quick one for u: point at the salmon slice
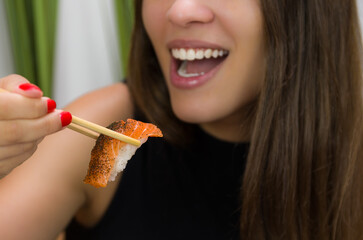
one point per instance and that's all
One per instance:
(109, 156)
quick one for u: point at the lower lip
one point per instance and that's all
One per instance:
(190, 82)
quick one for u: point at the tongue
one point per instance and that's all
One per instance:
(202, 66)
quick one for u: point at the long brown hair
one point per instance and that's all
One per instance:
(303, 175)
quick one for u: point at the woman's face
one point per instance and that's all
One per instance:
(211, 53)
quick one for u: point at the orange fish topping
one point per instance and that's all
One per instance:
(104, 153)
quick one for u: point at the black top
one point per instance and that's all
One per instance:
(168, 192)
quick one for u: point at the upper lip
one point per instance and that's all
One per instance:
(182, 43)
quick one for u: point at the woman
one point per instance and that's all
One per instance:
(284, 86)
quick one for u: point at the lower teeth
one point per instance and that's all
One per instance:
(182, 71)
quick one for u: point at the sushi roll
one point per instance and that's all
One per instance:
(109, 156)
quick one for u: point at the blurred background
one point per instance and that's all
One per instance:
(68, 47)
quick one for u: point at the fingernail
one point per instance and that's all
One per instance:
(66, 118)
(51, 105)
(28, 87)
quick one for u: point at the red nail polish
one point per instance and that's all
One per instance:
(51, 105)
(28, 87)
(66, 118)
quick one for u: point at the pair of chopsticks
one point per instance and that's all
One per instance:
(93, 130)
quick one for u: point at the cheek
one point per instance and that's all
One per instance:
(154, 19)
(153, 15)
(250, 62)
(147, 14)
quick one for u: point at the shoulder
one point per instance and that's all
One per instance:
(104, 105)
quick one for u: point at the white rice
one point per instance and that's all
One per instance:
(124, 155)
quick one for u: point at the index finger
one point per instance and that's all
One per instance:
(18, 84)
(15, 106)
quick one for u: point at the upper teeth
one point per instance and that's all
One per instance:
(192, 54)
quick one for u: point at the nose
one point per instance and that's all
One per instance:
(186, 12)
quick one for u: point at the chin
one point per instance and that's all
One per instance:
(192, 119)
(192, 115)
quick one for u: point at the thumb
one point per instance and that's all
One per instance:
(20, 85)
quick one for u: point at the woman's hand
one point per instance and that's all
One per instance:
(26, 117)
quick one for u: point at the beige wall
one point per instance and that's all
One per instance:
(6, 59)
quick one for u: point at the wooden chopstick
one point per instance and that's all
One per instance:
(105, 131)
(93, 130)
(83, 131)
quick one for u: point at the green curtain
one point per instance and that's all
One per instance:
(124, 14)
(32, 26)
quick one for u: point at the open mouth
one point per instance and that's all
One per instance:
(197, 62)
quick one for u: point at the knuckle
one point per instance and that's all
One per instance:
(11, 79)
(12, 132)
(38, 108)
(27, 154)
(11, 151)
(17, 78)
(29, 147)
(14, 75)
(33, 150)
(4, 170)
(42, 106)
(4, 107)
(49, 125)
(6, 166)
